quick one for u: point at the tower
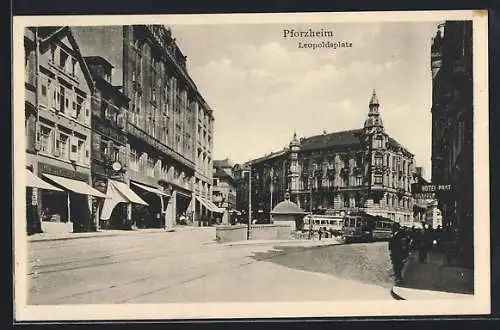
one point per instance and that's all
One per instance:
(293, 173)
(375, 146)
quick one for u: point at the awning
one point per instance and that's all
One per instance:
(209, 205)
(214, 207)
(127, 192)
(118, 192)
(34, 181)
(150, 189)
(204, 203)
(76, 186)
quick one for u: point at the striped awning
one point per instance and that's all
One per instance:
(34, 181)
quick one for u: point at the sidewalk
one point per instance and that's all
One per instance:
(42, 237)
(435, 279)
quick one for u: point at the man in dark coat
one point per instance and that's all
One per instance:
(398, 247)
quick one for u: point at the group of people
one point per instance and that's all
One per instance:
(405, 240)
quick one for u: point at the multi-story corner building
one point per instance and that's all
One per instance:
(360, 169)
(58, 94)
(224, 188)
(169, 125)
(452, 126)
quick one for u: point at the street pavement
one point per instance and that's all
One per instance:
(189, 266)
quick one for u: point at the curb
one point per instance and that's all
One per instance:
(65, 238)
(277, 242)
(395, 295)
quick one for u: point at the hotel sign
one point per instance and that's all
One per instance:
(429, 189)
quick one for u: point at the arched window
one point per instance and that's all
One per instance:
(378, 142)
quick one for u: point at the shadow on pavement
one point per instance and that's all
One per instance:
(365, 263)
(436, 276)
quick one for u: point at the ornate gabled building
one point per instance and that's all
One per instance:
(340, 172)
(59, 87)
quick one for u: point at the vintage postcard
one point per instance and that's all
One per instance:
(251, 166)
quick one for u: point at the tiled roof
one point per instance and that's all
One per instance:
(336, 139)
(270, 156)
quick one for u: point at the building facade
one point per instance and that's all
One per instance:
(58, 120)
(452, 127)
(169, 126)
(109, 139)
(360, 169)
(224, 188)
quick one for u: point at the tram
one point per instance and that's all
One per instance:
(382, 229)
(357, 227)
(364, 227)
(328, 223)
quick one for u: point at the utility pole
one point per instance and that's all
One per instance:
(249, 202)
(271, 189)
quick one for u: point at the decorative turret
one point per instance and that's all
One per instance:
(294, 144)
(293, 172)
(373, 120)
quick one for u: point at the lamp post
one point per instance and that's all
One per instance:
(310, 205)
(271, 174)
(249, 202)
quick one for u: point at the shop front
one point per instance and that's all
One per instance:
(72, 205)
(153, 214)
(33, 185)
(116, 211)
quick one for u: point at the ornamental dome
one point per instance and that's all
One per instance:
(287, 207)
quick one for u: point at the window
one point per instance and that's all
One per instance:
(104, 148)
(134, 160)
(378, 143)
(346, 201)
(150, 166)
(378, 179)
(379, 160)
(64, 146)
(63, 57)
(73, 66)
(359, 181)
(81, 151)
(45, 139)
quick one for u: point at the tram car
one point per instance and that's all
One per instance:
(382, 228)
(332, 224)
(357, 227)
(364, 227)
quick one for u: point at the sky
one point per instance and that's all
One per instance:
(263, 87)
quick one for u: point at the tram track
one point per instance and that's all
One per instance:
(180, 277)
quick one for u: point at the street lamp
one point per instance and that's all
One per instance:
(249, 202)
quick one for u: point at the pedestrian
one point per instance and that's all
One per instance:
(423, 246)
(398, 252)
(320, 232)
